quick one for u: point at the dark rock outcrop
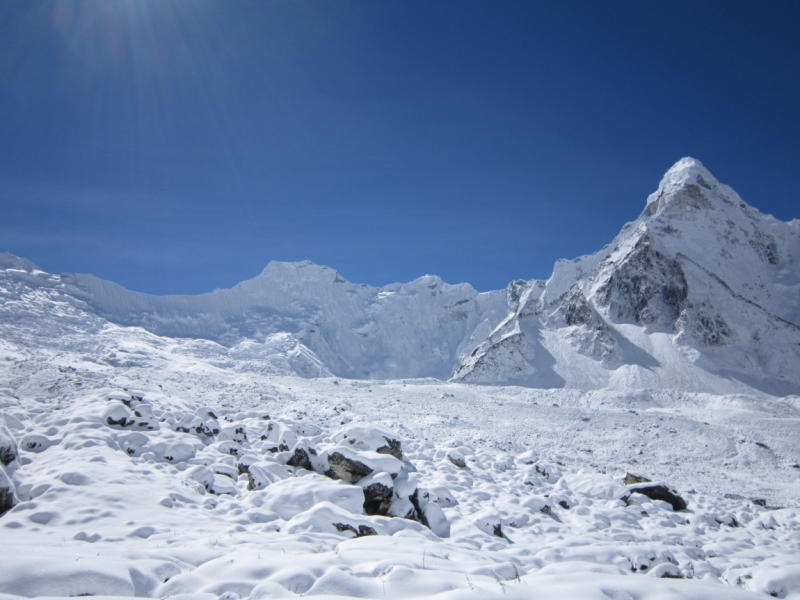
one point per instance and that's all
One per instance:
(393, 448)
(457, 461)
(8, 447)
(648, 288)
(347, 469)
(7, 495)
(377, 499)
(658, 491)
(300, 459)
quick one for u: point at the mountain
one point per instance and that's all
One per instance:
(418, 329)
(700, 293)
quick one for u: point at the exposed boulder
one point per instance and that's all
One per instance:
(36, 442)
(393, 448)
(362, 531)
(8, 496)
(119, 416)
(372, 438)
(196, 425)
(8, 446)
(346, 468)
(262, 474)
(378, 489)
(300, 459)
(631, 479)
(457, 458)
(659, 491)
(489, 521)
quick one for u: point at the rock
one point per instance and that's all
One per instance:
(418, 514)
(659, 491)
(194, 424)
(457, 459)
(226, 470)
(348, 469)
(143, 410)
(488, 521)
(631, 479)
(436, 520)
(378, 490)
(360, 532)
(300, 459)
(440, 495)
(118, 415)
(371, 438)
(666, 571)
(235, 433)
(326, 517)
(199, 475)
(243, 465)
(8, 447)
(7, 493)
(229, 447)
(262, 474)
(728, 520)
(206, 414)
(393, 447)
(35, 442)
(133, 443)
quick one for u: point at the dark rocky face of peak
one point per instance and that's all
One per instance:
(647, 288)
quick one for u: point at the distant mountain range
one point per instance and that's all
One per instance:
(700, 293)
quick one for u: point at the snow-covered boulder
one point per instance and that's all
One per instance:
(372, 438)
(326, 517)
(8, 445)
(291, 496)
(8, 497)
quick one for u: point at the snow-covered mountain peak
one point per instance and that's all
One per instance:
(684, 187)
(11, 261)
(699, 279)
(278, 271)
(687, 170)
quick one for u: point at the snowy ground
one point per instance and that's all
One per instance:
(114, 503)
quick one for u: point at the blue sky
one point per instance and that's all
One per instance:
(179, 146)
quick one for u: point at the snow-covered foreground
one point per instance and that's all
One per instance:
(172, 471)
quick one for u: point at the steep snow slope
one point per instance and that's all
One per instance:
(701, 292)
(37, 312)
(402, 330)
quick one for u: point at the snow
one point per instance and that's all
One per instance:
(217, 447)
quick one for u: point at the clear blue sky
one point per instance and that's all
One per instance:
(179, 146)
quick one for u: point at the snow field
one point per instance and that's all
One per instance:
(116, 496)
